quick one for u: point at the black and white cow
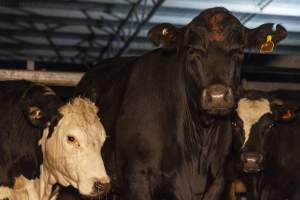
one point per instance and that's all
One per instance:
(269, 125)
(166, 111)
(44, 141)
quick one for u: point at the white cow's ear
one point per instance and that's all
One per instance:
(35, 116)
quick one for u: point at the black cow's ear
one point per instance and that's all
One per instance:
(265, 37)
(163, 34)
(34, 115)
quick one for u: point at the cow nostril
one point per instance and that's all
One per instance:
(101, 187)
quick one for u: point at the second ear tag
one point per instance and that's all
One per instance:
(267, 46)
(288, 115)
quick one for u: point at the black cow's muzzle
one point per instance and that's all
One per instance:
(217, 99)
(252, 162)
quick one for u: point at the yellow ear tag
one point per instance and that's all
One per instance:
(268, 45)
(288, 115)
(165, 32)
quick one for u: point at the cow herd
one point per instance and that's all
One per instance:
(172, 124)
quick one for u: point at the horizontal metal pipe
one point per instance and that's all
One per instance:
(53, 78)
(56, 78)
(269, 86)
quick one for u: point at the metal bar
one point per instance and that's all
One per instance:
(262, 5)
(117, 36)
(139, 27)
(282, 77)
(30, 65)
(26, 45)
(120, 27)
(44, 56)
(269, 86)
(62, 35)
(187, 5)
(46, 77)
(50, 19)
(271, 74)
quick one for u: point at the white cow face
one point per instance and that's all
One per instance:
(258, 120)
(72, 152)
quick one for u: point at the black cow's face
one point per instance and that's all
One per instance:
(214, 67)
(256, 123)
(212, 48)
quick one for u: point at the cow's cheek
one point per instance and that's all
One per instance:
(71, 156)
(91, 171)
(55, 158)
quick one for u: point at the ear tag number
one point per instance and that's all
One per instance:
(268, 45)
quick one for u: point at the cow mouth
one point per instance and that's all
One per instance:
(252, 162)
(251, 168)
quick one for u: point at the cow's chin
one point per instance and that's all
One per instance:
(252, 167)
(86, 189)
(218, 111)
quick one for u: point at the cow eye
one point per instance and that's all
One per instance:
(236, 124)
(73, 140)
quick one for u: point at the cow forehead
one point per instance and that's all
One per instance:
(250, 111)
(218, 22)
(81, 114)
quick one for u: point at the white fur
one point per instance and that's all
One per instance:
(250, 111)
(5, 192)
(78, 164)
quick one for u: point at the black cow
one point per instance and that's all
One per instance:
(44, 141)
(269, 126)
(165, 111)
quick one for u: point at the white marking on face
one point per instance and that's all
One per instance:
(72, 153)
(250, 111)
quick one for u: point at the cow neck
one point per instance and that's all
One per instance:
(37, 189)
(200, 127)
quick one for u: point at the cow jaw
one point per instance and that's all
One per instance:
(250, 111)
(72, 152)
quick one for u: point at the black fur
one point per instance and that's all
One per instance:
(161, 143)
(279, 145)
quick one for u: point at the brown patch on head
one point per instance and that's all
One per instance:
(216, 28)
(217, 21)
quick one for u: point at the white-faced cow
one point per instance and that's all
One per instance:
(269, 128)
(44, 141)
(166, 111)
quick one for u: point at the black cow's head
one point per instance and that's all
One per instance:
(255, 123)
(212, 50)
